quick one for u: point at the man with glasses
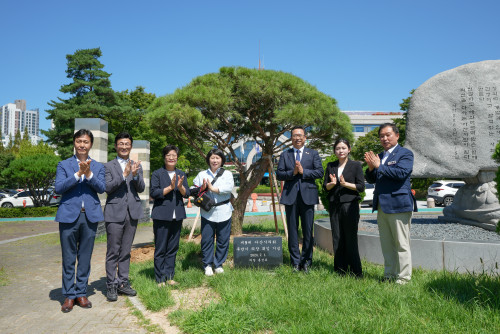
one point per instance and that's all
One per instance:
(299, 167)
(124, 180)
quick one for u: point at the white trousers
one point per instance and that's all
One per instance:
(394, 230)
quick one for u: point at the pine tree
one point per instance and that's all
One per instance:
(91, 97)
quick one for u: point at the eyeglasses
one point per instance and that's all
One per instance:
(123, 145)
(171, 156)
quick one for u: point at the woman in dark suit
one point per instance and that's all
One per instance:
(168, 187)
(344, 181)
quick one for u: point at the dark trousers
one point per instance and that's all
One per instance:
(306, 214)
(167, 234)
(77, 243)
(222, 232)
(344, 220)
(120, 236)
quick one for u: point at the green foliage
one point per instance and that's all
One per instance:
(5, 159)
(91, 97)
(262, 189)
(4, 280)
(366, 143)
(44, 211)
(34, 172)
(319, 183)
(247, 104)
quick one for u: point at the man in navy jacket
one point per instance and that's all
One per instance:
(78, 179)
(299, 167)
(394, 201)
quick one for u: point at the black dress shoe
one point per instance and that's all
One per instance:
(305, 268)
(125, 289)
(295, 268)
(112, 293)
(67, 306)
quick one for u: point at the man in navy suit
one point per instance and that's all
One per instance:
(394, 201)
(299, 167)
(78, 179)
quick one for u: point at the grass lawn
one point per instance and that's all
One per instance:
(3, 277)
(280, 301)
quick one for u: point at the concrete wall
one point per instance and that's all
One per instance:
(432, 254)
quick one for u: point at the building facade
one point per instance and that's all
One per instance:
(14, 117)
(365, 121)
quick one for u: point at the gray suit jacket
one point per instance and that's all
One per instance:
(122, 193)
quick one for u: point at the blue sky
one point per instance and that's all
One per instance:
(366, 54)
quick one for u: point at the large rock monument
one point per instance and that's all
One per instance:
(453, 127)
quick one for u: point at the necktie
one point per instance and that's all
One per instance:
(297, 157)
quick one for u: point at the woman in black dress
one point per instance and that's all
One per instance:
(344, 181)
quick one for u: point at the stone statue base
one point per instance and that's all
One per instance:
(489, 227)
(476, 203)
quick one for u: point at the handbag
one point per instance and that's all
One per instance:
(202, 200)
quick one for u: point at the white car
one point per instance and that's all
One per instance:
(443, 191)
(23, 198)
(369, 189)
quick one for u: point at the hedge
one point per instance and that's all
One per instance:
(44, 211)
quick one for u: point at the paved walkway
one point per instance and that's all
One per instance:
(31, 302)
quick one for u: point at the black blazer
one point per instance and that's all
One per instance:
(164, 206)
(353, 173)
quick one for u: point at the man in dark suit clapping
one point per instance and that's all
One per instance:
(78, 179)
(299, 167)
(124, 180)
(394, 201)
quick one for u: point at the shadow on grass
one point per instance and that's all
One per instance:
(192, 259)
(148, 272)
(468, 289)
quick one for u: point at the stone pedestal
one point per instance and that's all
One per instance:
(141, 151)
(452, 129)
(476, 203)
(99, 128)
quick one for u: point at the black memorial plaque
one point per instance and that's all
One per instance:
(258, 252)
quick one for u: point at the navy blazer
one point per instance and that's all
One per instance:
(353, 173)
(311, 165)
(164, 206)
(74, 191)
(392, 182)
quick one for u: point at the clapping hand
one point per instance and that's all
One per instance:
(298, 168)
(342, 181)
(333, 180)
(172, 182)
(372, 160)
(204, 185)
(84, 169)
(180, 185)
(127, 169)
(135, 167)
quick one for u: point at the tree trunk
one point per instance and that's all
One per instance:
(240, 203)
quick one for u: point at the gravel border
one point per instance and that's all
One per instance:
(434, 228)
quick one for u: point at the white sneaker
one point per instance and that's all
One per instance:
(402, 281)
(208, 271)
(219, 270)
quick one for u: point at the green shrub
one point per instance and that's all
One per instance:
(263, 189)
(44, 211)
